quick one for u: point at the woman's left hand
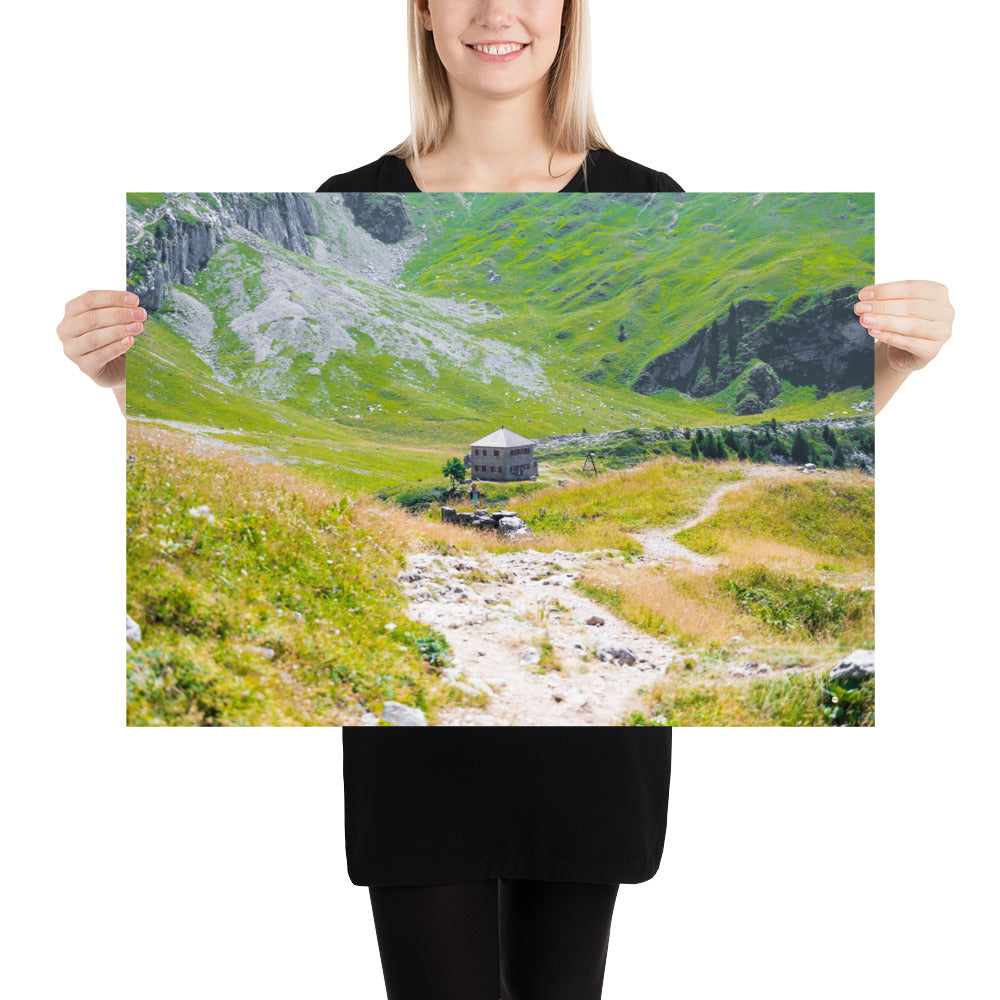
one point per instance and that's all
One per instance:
(912, 318)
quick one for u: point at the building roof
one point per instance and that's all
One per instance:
(501, 438)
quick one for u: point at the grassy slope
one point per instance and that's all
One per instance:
(275, 613)
(370, 420)
(419, 427)
(291, 568)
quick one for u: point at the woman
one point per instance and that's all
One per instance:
(494, 857)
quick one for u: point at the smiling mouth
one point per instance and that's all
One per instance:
(502, 49)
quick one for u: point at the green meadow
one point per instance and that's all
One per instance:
(322, 468)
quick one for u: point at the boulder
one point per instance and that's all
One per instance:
(619, 654)
(398, 714)
(858, 666)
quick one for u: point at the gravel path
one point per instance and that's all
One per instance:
(659, 544)
(496, 610)
(497, 646)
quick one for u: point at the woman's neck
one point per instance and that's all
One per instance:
(496, 144)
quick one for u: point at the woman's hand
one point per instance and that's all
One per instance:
(912, 318)
(96, 331)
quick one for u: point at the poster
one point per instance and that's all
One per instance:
(493, 459)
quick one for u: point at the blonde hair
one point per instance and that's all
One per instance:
(571, 122)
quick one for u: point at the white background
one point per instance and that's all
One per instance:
(205, 863)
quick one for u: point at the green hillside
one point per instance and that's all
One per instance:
(375, 379)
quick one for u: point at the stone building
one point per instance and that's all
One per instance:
(502, 456)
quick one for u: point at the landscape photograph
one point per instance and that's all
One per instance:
(500, 459)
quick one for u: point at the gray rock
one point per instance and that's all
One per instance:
(132, 631)
(398, 714)
(749, 668)
(164, 255)
(384, 216)
(531, 656)
(620, 654)
(595, 620)
(858, 666)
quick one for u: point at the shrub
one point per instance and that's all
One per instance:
(783, 602)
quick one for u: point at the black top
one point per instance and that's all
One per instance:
(444, 804)
(606, 171)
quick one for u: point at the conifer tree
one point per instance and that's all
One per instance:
(732, 331)
(713, 350)
(800, 448)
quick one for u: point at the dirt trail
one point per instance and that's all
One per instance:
(497, 610)
(659, 544)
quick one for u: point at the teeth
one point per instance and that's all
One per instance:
(499, 50)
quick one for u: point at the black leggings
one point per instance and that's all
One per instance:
(515, 939)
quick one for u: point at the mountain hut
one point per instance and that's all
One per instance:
(502, 456)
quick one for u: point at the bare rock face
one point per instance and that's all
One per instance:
(169, 245)
(818, 342)
(384, 216)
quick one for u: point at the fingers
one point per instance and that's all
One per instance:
(913, 318)
(83, 346)
(920, 348)
(89, 331)
(908, 326)
(932, 290)
(84, 332)
(99, 300)
(930, 309)
(97, 329)
(95, 363)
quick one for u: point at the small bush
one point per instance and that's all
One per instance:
(783, 602)
(167, 688)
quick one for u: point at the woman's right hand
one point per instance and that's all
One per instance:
(97, 330)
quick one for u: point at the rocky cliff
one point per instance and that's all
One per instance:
(818, 341)
(384, 216)
(168, 243)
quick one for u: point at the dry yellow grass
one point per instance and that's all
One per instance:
(686, 603)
